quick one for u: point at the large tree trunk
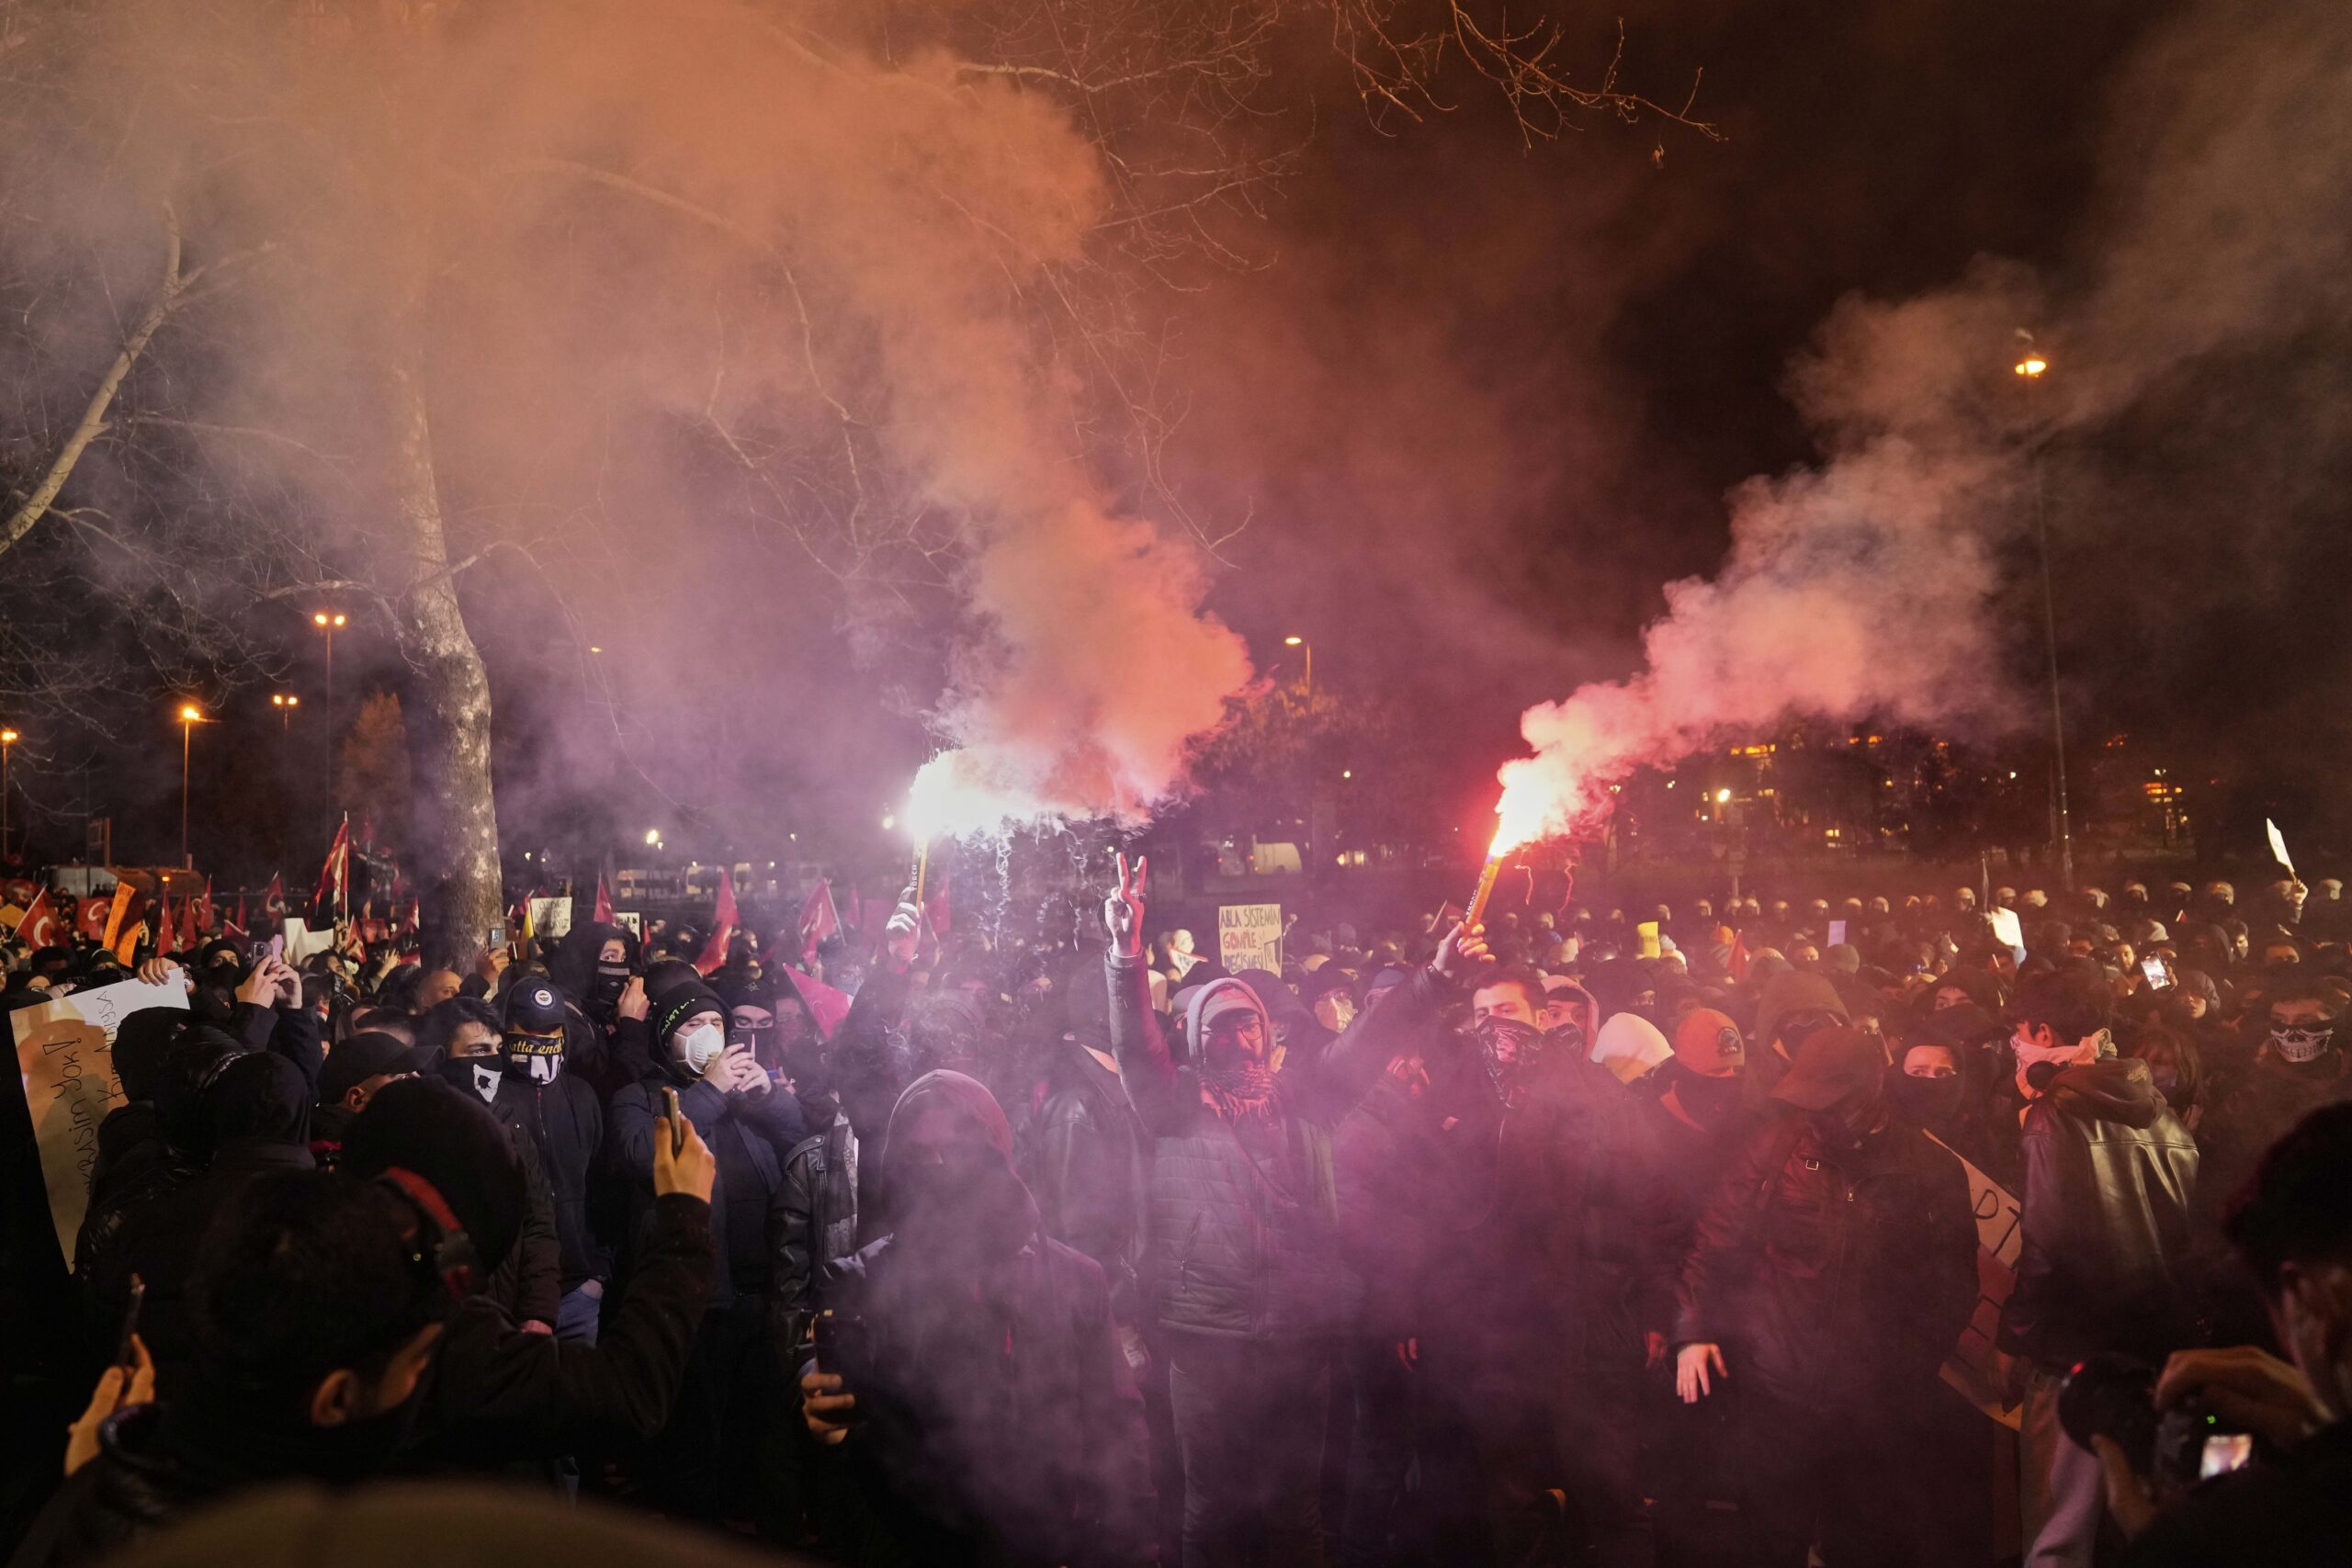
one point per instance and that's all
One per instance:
(448, 704)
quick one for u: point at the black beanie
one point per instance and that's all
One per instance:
(452, 1141)
(680, 1003)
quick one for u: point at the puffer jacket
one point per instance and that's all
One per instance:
(2110, 1178)
(1832, 1278)
(749, 1137)
(815, 1228)
(1245, 1245)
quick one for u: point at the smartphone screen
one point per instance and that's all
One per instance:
(2159, 973)
(2225, 1452)
(278, 945)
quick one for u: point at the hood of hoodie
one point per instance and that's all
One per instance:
(1630, 1046)
(1196, 1012)
(1583, 1011)
(2115, 1089)
(573, 965)
(1793, 993)
(985, 1213)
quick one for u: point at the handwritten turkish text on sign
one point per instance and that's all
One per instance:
(65, 1061)
(1249, 936)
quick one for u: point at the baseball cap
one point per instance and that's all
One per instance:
(1833, 1065)
(533, 1008)
(363, 1056)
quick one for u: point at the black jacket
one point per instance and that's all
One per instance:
(749, 1137)
(1093, 1175)
(495, 1392)
(1245, 1245)
(2110, 1177)
(815, 1226)
(565, 1122)
(1834, 1278)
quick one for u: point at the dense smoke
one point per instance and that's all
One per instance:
(742, 328)
(1869, 586)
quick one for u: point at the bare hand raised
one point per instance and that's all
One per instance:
(1122, 910)
(1463, 953)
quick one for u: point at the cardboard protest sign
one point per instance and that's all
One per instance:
(66, 1062)
(1249, 936)
(550, 917)
(1977, 1369)
(1647, 935)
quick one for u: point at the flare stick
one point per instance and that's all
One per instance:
(1486, 890)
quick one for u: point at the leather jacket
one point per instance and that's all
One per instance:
(2110, 1177)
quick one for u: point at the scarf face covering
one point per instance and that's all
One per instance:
(1242, 1092)
(1509, 1050)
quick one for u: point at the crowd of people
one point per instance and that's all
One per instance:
(1621, 1236)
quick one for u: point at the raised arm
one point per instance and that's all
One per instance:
(1147, 1067)
(1398, 1023)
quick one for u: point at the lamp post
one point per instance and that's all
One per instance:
(328, 621)
(2031, 365)
(1308, 648)
(7, 743)
(284, 703)
(190, 716)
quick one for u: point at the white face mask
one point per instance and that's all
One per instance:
(699, 1047)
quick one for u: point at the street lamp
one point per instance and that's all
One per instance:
(7, 742)
(2030, 368)
(190, 716)
(284, 703)
(1308, 648)
(328, 621)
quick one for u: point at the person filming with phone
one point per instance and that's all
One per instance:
(2289, 1500)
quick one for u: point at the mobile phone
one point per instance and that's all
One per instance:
(677, 1121)
(497, 937)
(278, 946)
(2158, 972)
(126, 1354)
(840, 1345)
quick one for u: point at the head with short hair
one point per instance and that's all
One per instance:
(312, 1302)
(461, 1026)
(2292, 1225)
(1515, 994)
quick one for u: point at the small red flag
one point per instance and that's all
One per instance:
(819, 921)
(273, 902)
(40, 927)
(827, 1006)
(90, 920)
(335, 875)
(237, 926)
(604, 915)
(722, 931)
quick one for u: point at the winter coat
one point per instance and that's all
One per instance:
(748, 1136)
(1092, 1176)
(565, 1124)
(2258, 1108)
(1244, 1243)
(2110, 1178)
(1835, 1279)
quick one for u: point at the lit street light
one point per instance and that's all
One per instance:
(653, 838)
(2030, 369)
(284, 703)
(7, 742)
(190, 716)
(328, 621)
(1308, 648)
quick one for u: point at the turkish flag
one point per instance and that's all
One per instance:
(819, 922)
(722, 931)
(827, 1006)
(191, 932)
(166, 931)
(335, 875)
(40, 927)
(19, 891)
(273, 902)
(604, 915)
(237, 926)
(90, 920)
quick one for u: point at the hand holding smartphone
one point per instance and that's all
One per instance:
(677, 1120)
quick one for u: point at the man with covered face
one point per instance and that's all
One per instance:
(967, 1371)
(1248, 1281)
(2299, 1066)
(564, 1118)
(1829, 1275)
(1540, 1184)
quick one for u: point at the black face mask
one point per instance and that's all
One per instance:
(214, 1001)
(1931, 1103)
(478, 1076)
(1845, 1126)
(1509, 1050)
(1709, 1100)
(603, 999)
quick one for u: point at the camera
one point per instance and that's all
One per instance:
(2112, 1395)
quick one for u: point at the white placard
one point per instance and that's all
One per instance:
(1249, 936)
(550, 918)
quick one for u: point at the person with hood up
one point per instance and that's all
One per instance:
(594, 966)
(1792, 1007)
(2109, 1180)
(1630, 1046)
(1830, 1274)
(2301, 1064)
(1249, 1284)
(977, 1395)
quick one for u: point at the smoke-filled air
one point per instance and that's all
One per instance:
(1871, 585)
